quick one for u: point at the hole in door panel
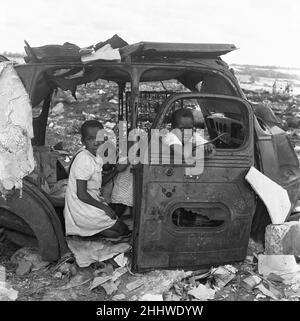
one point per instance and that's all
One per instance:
(210, 217)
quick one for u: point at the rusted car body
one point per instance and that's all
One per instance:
(162, 192)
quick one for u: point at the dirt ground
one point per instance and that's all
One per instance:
(49, 284)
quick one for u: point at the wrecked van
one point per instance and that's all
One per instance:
(181, 219)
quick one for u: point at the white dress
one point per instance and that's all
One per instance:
(81, 218)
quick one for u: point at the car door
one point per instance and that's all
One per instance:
(189, 220)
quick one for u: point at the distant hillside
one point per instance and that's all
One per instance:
(12, 54)
(274, 72)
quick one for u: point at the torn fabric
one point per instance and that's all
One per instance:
(16, 131)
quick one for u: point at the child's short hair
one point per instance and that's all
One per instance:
(89, 123)
(183, 112)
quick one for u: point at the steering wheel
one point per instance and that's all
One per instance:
(222, 137)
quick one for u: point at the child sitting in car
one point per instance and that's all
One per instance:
(86, 213)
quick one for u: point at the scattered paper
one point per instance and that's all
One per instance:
(113, 277)
(87, 252)
(109, 287)
(202, 293)
(121, 260)
(118, 273)
(260, 296)
(104, 53)
(118, 297)
(151, 297)
(134, 285)
(99, 281)
(7, 293)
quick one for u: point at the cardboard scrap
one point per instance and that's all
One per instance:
(274, 196)
(202, 293)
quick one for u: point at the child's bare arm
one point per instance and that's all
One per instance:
(119, 168)
(85, 197)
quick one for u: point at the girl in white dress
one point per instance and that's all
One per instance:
(86, 212)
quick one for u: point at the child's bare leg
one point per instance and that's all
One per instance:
(118, 229)
(118, 208)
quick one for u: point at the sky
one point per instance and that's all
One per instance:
(265, 31)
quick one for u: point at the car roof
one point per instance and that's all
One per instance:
(163, 60)
(169, 49)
